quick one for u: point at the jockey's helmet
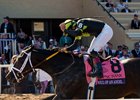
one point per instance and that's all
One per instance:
(70, 24)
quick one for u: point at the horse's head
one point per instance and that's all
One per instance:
(21, 65)
(30, 59)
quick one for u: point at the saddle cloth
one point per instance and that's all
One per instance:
(113, 72)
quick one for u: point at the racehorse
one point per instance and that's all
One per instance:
(68, 73)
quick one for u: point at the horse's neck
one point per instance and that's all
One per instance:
(57, 64)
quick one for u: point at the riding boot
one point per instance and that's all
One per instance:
(98, 70)
(97, 65)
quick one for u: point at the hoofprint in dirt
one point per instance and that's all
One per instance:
(24, 96)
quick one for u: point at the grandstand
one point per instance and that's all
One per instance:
(130, 36)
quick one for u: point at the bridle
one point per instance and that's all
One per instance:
(19, 76)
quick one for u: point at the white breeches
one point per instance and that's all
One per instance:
(100, 41)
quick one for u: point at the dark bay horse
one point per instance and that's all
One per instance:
(68, 73)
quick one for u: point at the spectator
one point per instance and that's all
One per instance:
(20, 39)
(128, 51)
(42, 43)
(39, 43)
(135, 23)
(36, 43)
(136, 51)
(118, 52)
(109, 3)
(126, 9)
(120, 5)
(44, 78)
(20, 36)
(6, 27)
(27, 40)
(125, 53)
(3, 59)
(53, 43)
(65, 40)
(108, 50)
(114, 8)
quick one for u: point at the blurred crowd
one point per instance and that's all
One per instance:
(122, 7)
(118, 6)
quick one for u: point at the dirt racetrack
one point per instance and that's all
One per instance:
(24, 96)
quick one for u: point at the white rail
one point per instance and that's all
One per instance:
(8, 44)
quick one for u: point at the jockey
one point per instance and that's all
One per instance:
(86, 27)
